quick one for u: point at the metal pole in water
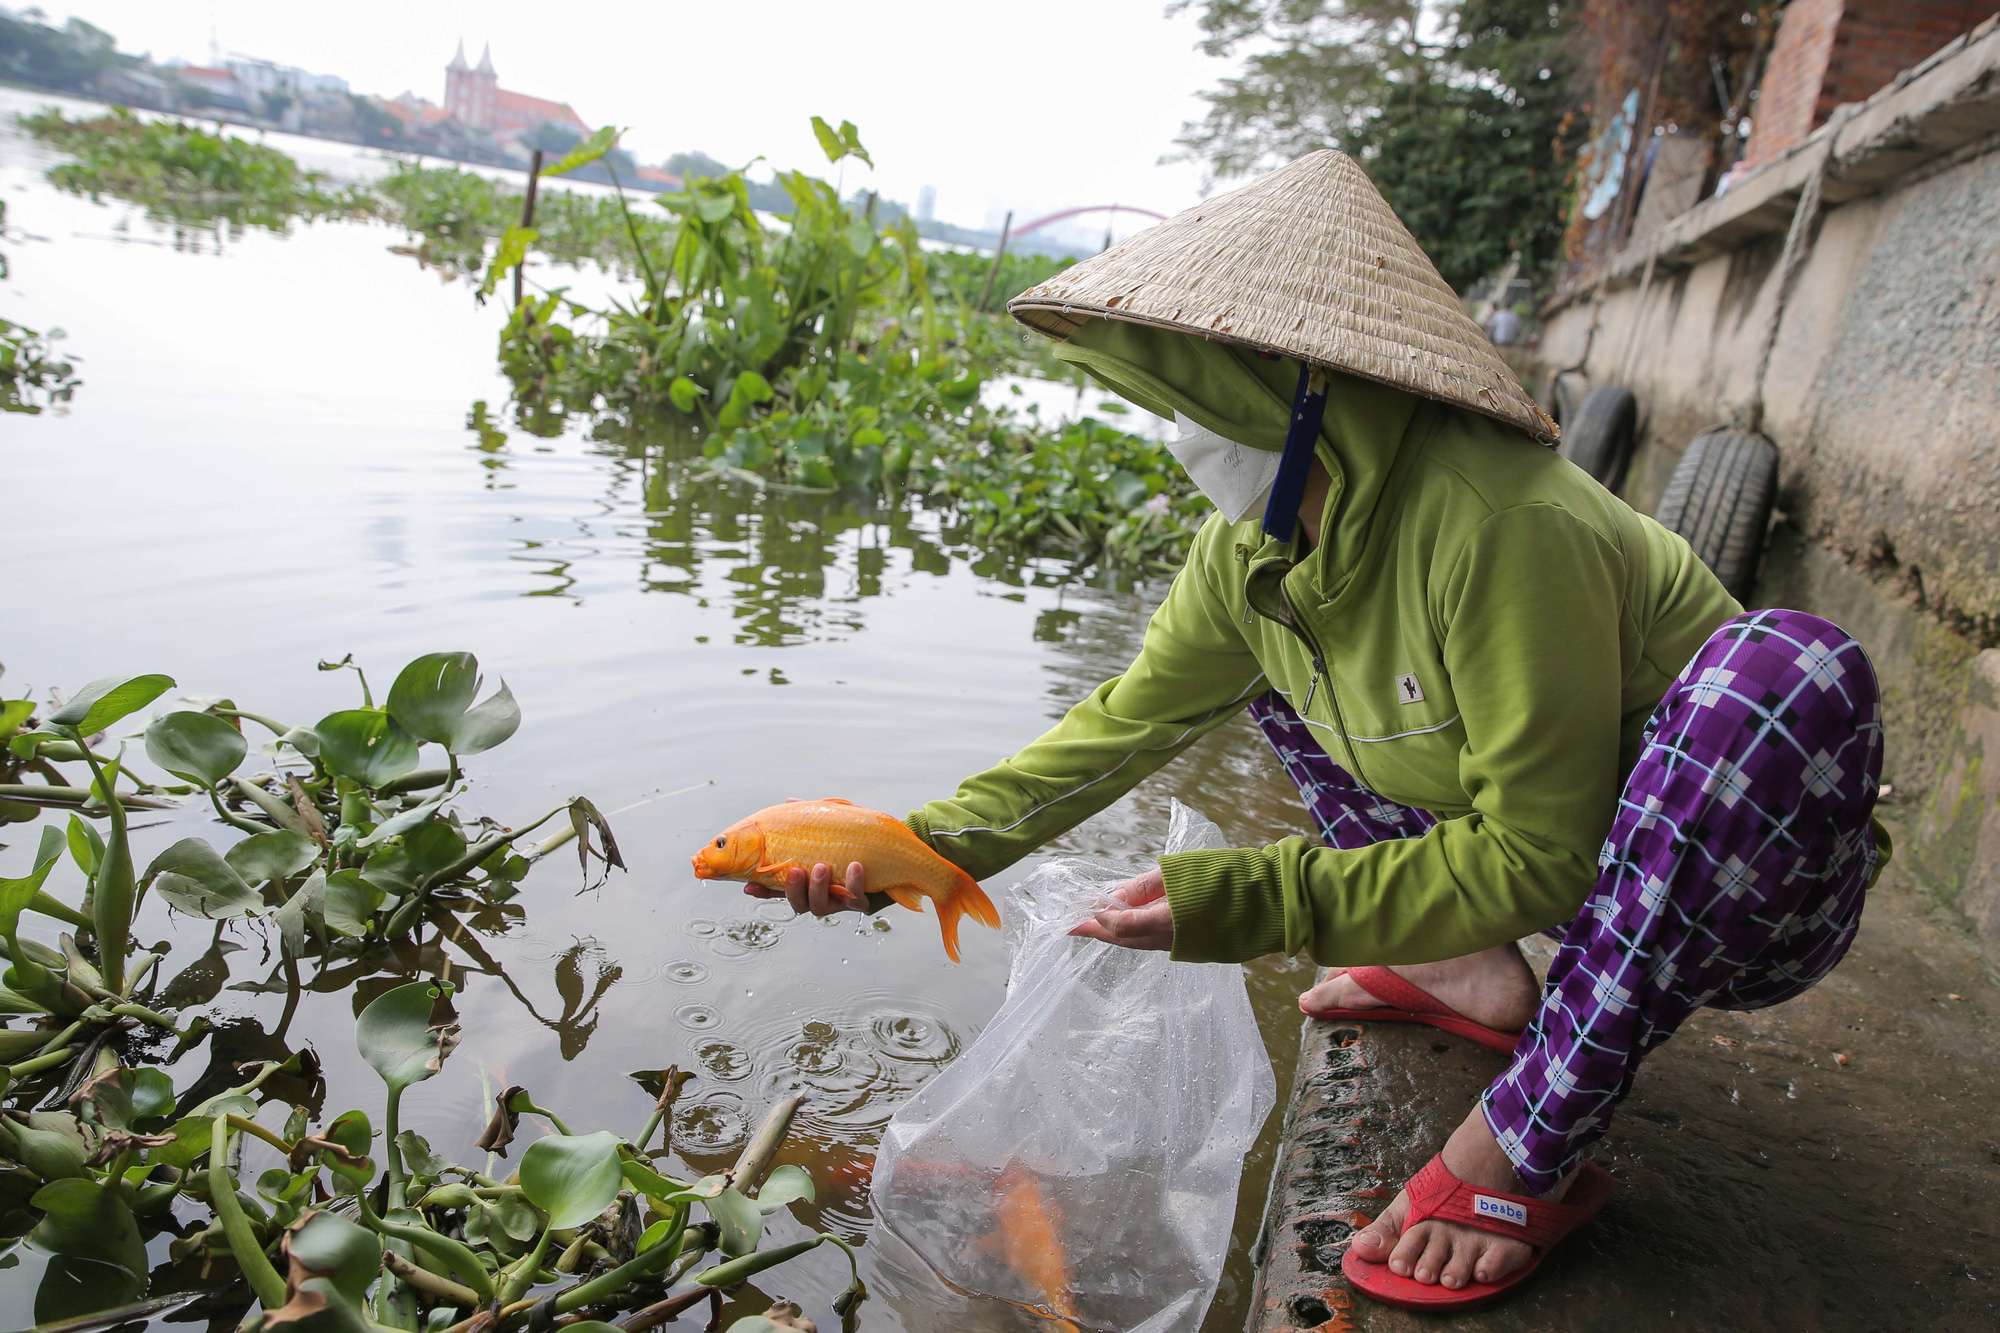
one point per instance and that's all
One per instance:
(528, 216)
(998, 255)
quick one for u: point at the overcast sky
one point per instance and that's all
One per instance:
(1034, 105)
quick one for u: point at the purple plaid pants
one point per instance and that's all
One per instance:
(1733, 874)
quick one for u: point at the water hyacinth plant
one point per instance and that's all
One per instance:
(181, 173)
(33, 375)
(357, 1228)
(814, 350)
(349, 843)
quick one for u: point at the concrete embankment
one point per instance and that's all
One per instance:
(1827, 1164)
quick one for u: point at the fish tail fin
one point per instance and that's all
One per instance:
(973, 899)
(966, 899)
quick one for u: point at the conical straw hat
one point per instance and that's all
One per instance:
(1310, 262)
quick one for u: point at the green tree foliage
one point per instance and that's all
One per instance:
(67, 57)
(1457, 108)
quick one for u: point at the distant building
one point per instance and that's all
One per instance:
(927, 203)
(473, 97)
(207, 86)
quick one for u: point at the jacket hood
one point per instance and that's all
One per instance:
(1246, 396)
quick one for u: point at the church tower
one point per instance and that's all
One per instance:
(469, 94)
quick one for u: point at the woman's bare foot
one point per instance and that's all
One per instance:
(1494, 987)
(1448, 1252)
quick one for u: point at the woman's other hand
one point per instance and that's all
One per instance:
(1138, 916)
(814, 891)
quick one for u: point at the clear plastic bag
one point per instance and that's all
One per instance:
(1081, 1157)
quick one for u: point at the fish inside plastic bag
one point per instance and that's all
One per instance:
(1081, 1158)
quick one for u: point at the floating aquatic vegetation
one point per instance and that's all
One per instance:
(181, 173)
(33, 375)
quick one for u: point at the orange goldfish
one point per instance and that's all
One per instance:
(767, 846)
(1030, 1241)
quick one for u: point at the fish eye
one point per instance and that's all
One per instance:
(720, 841)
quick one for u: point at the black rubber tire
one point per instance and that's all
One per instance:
(1720, 499)
(1565, 394)
(1599, 437)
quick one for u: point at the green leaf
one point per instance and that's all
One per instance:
(747, 1266)
(194, 880)
(424, 850)
(417, 1155)
(128, 1099)
(665, 1189)
(861, 237)
(279, 854)
(785, 1185)
(348, 903)
(17, 893)
(13, 712)
(84, 1219)
(52, 1145)
(308, 904)
(351, 1130)
(602, 141)
(851, 138)
(571, 1177)
(332, 1247)
(737, 1220)
(713, 207)
(396, 1037)
(365, 744)
(199, 747)
(683, 393)
(1127, 489)
(432, 700)
(781, 1317)
(194, 1130)
(86, 847)
(511, 1213)
(102, 702)
(396, 826)
(319, 1306)
(830, 141)
(513, 248)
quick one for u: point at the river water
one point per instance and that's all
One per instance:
(270, 463)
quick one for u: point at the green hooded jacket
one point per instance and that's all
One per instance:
(1539, 618)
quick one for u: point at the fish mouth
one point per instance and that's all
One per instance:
(701, 870)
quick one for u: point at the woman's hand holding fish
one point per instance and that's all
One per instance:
(1139, 917)
(816, 892)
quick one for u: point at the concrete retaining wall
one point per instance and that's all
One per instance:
(1883, 386)
(1882, 392)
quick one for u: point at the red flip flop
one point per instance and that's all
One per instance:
(1437, 1194)
(1407, 1003)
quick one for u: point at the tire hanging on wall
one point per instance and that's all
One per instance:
(1565, 392)
(1720, 499)
(1599, 437)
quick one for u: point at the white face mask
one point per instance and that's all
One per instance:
(1236, 478)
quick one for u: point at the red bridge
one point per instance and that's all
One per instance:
(1039, 223)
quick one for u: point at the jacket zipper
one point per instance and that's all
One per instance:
(1297, 625)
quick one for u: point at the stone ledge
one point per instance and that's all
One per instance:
(1763, 1181)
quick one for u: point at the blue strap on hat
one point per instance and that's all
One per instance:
(1281, 513)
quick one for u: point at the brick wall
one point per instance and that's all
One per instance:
(1787, 106)
(1879, 39)
(1832, 51)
